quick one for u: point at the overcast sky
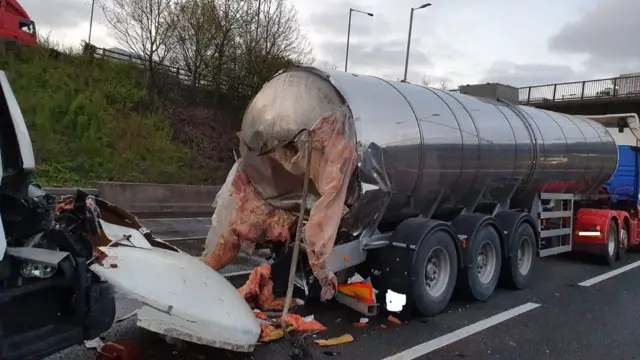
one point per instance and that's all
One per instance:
(518, 42)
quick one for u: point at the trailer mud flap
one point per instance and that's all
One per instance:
(467, 225)
(391, 265)
(183, 297)
(509, 222)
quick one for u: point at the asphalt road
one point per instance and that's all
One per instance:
(562, 321)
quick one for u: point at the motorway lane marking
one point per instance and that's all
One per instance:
(459, 334)
(610, 274)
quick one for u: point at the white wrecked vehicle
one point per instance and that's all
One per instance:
(55, 293)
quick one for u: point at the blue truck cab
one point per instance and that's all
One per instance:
(624, 184)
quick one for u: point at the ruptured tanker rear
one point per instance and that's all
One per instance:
(449, 187)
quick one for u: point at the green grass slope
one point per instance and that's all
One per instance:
(92, 120)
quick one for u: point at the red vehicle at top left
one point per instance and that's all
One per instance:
(15, 24)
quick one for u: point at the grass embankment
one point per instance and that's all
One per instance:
(93, 120)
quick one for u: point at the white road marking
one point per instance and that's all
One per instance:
(459, 334)
(610, 274)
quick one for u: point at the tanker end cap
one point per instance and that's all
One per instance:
(290, 102)
(624, 127)
(492, 91)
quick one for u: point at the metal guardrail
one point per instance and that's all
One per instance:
(185, 76)
(70, 191)
(618, 87)
(152, 201)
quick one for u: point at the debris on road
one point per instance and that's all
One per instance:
(344, 339)
(393, 320)
(119, 350)
(361, 324)
(258, 290)
(94, 344)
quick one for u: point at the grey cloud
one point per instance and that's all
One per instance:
(335, 20)
(608, 34)
(58, 14)
(520, 75)
(378, 54)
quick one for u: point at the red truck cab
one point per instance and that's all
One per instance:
(15, 24)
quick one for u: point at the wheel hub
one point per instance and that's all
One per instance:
(437, 271)
(624, 238)
(486, 262)
(611, 243)
(524, 256)
(432, 270)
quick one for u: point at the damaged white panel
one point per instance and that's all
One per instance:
(117, 233)
(186, 299)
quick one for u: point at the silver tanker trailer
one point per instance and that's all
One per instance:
(450, 188)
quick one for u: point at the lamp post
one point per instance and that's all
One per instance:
(346, 58)
(406, 60)
(93, 4)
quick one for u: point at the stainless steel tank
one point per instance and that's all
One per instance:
(423, 150)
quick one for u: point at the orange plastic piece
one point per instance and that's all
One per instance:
(359, 290)
(344, 339)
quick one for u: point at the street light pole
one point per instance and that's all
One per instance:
(346, 58)
(406, 60)
(93, 4)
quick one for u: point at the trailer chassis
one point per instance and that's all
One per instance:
(555, 223)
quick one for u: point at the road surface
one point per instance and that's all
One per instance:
(556, 319)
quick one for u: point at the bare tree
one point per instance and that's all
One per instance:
(327, 65)
(275, 42)
(426, 82)
(444, 84)
(195, 36)
(231, 14)
(145, 27)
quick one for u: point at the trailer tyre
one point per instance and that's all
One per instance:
(435, 268)
(623, 242)
(482, 275)
(518, 267)
(612, 243)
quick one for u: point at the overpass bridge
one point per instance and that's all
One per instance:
(593, 97)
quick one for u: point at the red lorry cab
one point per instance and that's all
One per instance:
(15, 24)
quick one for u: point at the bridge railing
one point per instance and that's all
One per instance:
(581, 90)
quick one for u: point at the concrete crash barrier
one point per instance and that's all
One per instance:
(160, 200)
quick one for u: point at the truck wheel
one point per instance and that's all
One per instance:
(623, 242)
(518, 268)
(483, 273)
(612, 243)
(435, 268)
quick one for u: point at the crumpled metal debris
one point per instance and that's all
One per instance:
(254, 220)
(258, 292)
